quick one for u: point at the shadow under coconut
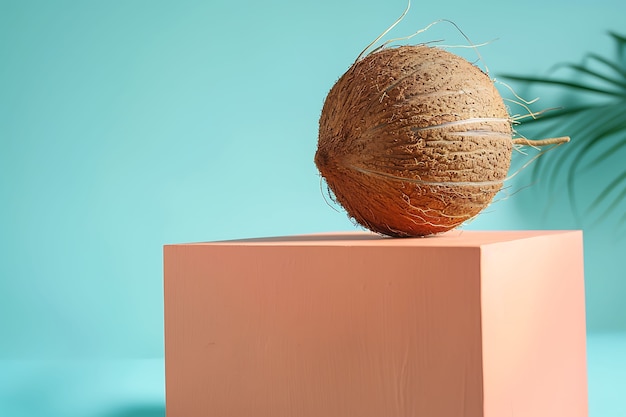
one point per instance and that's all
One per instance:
(348, 236)
(363, 235)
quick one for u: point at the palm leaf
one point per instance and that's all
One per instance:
(564, 83)
(601, 130)
(597, 127)
(595, 74)
(608, 152)
(621, 41)
(616, 184)
(608, 63)
(560, 112)
(587, 134)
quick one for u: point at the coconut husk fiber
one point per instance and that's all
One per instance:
(414, 141)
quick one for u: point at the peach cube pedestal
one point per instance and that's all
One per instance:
(465, 324)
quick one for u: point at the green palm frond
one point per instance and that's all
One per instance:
(597, 124)
(566, 83)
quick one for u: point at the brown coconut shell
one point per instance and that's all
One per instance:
(413, 141)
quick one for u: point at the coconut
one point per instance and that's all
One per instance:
(414, 140)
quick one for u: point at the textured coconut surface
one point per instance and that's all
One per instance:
(414, 140)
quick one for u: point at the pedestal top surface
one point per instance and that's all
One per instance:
(454, 238)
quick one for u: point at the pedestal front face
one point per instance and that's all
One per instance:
(352, 325)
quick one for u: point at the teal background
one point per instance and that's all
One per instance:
(127, 125)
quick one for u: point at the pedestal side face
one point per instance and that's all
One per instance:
(322, 331)
(534, 327)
